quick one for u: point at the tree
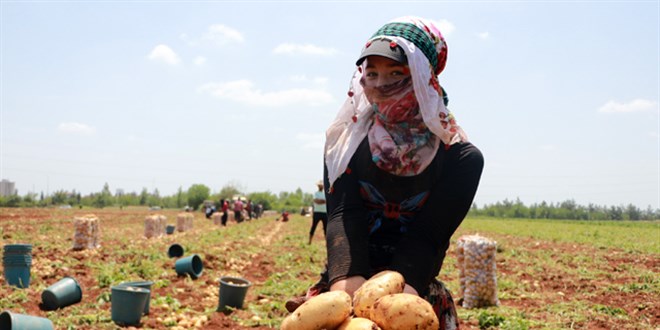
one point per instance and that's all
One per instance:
(229, 190)
(180, 197)
(104, 198)
(144, 196)
(197, 194)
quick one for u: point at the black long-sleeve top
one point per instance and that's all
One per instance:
(377, 220)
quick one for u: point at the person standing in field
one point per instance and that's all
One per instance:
(224, 205)
(238, 210)
(400, 174)
(320, 214)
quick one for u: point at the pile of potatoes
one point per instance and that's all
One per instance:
(477, 271)
(379, 304)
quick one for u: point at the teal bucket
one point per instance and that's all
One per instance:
(17, 275)
(232, 292)
(17, 248)
(128, 304)
(13, 321)
(175, 251)
(170, 229)
(141, 284)
(65, 292)
(191, 265)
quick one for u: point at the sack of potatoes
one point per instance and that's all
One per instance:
(477, 271)
(379, 304)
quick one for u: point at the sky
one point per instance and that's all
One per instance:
(561, 97)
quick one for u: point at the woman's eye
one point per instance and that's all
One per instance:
(372, 74)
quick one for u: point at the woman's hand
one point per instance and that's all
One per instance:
(350, 284)
(410, 289)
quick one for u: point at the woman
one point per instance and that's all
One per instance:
(400, 173)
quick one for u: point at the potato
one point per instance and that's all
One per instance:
(325, 311)
(404, 311)
(358, 323)
(381, 284)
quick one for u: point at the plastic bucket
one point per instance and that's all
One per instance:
(175, 251)
(128, 304)
(170, 229)
(65, 292)
(17, 275)
(17, 248)
(141, 284)
(191, 265)
(13, 321)
(232, 292)
(17, 260)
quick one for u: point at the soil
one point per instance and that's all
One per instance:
(549, 285)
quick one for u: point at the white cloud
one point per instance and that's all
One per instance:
(637, 105)
(244, 91)
(219, 34)
(165, 54)
(483, 35)
(311, 141)
(76, 128)
(199, 60)
(306, 49)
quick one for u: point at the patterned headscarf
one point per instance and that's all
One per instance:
(426, 51)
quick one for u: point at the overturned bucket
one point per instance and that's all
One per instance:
(191, 265)
(232, 292)
(13, 321)
(175, 251)
(63, 293)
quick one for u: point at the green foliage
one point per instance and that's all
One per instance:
(266, 198)
(612, 311)
(197, 193)
(489, 320)
(568, 210)
(104, 198)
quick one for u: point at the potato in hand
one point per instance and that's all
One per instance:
(381, 284)
(325, 311)
(403, 311)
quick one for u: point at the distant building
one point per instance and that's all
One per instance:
(7, 188)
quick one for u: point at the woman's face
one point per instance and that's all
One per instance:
(382, 73)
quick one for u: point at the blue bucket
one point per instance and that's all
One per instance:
(128, 304)
(17, 275)
(13, 321)
(191, 265)
(141, 284)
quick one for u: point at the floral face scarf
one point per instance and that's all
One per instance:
(399, 140)
(426, 51)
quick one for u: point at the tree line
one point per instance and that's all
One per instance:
(194, 197)
(568, 210)
(197, 194)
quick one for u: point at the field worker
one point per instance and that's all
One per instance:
(225, 208)
(400, 174)
(238, 210)
(319, 214)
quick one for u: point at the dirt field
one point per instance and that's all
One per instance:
(534, 287)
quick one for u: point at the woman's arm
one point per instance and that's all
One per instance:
(421, 251)
(347, 232)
